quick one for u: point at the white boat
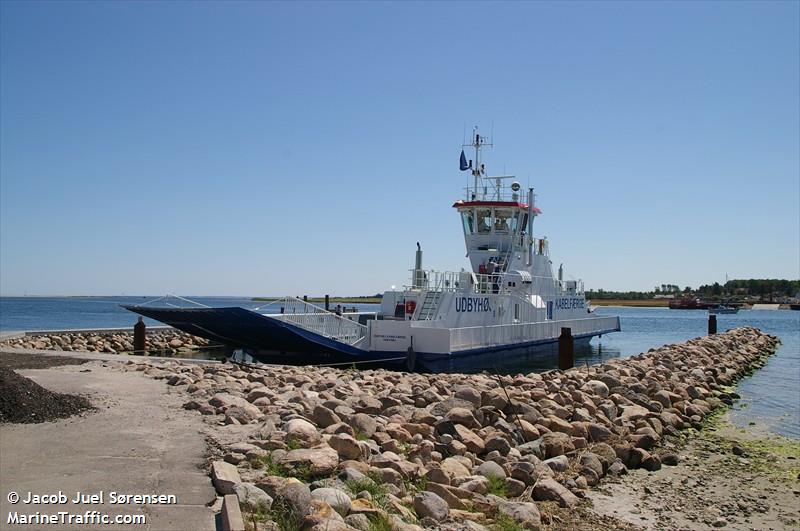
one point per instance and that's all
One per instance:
(507, 299)
(723, 309)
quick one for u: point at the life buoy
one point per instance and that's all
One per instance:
(410, 307)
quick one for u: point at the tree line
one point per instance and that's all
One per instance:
(762, 288)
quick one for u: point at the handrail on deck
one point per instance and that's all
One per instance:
(319, 320)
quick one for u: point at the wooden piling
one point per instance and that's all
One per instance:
(566, 354)
(327, 303)
(140, 337)
(712, 324)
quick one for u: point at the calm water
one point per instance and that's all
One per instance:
(770, 397)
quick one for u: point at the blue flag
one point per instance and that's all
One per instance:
(463, 162)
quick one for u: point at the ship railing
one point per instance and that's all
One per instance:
(491, 192)
(467, 281)
(509, 334)
(316, 319)
(432, 280)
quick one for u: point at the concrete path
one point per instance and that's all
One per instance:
(140, 441)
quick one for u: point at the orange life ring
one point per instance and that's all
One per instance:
(410, 307)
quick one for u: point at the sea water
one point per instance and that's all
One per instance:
(771, 396)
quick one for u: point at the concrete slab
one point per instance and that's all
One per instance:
(140, 441)
(103, 356)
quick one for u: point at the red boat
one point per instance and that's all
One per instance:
(689, 303)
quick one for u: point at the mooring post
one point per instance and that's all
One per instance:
(139, 337)
(712, 324)
(327, 303)
(566, 356)
(305, 298)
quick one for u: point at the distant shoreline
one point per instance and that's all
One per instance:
(641, 303)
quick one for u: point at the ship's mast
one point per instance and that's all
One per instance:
(478, 170)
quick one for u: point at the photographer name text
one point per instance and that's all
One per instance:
(94, 498)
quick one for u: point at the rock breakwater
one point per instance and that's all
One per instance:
(321, 448)
(159, 342)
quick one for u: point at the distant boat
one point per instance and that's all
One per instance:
(723, 308)
(688, 303)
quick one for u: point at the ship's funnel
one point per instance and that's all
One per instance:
(418, 274)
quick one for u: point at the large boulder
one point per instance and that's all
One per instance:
(494, 398)
(605, 453)
(454, 468)
(497, 443)
(490, 469)
(428, 504)
(469, 438)
(324, 417)
(296, 495)
(224, 476)
(336, 498)
(460, 415)
(558, 464)
(598, 432)
(470, 394)
(252, 497)
(302, 431)
(316, 461)
(363, 424)
(592, 462)
(548, 489)
(556, 443)
(346, 446)
(596, 387)
(526, 514)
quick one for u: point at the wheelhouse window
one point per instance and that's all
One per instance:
(513, 221)
(502, 220)
(484, 220)
(468, 218)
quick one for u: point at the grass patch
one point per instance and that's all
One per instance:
(497, 486)
(504, 523)
(414, 487)
(265, 462)
(300, 470)
(293, 444)
(359, 435)
(379, 522)
(376, 489)
(285, 516)
(405, 448)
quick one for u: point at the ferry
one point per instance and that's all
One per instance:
(507, 300)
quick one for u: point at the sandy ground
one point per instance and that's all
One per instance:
(139, 441)
(728, 477)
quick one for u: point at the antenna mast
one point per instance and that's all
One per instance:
(478, 142)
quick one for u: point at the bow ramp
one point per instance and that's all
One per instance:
(277, 325)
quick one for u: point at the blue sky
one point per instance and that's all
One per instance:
(291, 148)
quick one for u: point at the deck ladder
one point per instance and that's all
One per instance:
(429, 305)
